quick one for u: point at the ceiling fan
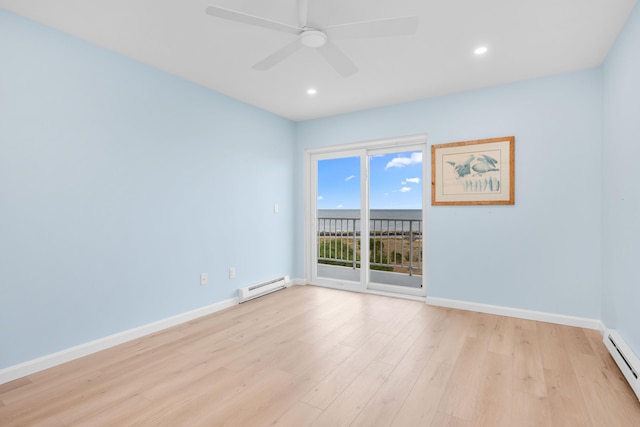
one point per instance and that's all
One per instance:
(312, 31)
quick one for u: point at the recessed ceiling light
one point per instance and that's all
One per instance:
(311, 91)
(481, 50)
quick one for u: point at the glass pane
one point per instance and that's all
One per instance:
(395, 219)
(338, 224)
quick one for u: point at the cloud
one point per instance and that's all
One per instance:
(320, 197)
(413, 180)
(349, 178)
(400, 162)
(403, 183)
(405, 189)
(339, 207)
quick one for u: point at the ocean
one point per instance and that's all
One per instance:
(375, 213)
(331, 220)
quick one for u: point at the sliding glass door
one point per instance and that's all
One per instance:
(395, 220)
(365, 218)
(338, 218)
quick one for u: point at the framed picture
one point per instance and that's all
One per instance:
(473, 172)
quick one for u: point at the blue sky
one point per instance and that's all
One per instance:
(396, 182)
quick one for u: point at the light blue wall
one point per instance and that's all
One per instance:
(119, 185)
(541, 254)
(621, 184)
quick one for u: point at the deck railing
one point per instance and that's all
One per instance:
(394, 244)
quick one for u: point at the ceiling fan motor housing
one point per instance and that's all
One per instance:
(313, 38)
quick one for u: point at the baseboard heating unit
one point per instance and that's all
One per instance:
(626, 359)
(255, 291)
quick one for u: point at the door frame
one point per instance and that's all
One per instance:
(362, 149)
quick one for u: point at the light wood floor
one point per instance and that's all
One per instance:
(312, 356)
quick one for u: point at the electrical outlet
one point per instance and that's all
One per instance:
(232, 273)
(203, 279)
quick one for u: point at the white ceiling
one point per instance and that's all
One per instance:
(526, 39)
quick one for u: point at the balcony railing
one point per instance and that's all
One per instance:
(394, 244)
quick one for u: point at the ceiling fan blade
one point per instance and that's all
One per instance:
(278, 56)
(338, 60)
(244, 18)
(402, 26)
(302, 13)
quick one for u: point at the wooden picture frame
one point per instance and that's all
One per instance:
(479, 172)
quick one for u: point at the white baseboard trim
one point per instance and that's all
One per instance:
(32, 366)
(298, 282)
(581, 322)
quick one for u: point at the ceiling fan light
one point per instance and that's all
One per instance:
(481, 50)
(313, 38)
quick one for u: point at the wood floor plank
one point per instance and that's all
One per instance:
(307, 355)
(205, 398)
(117, 413)
(483, 326)
(630, 404)
(530, 410)
(261, 403)
(339, 335)
(605, 408)
(329, 322)
(614, 375)
(385, 404)
(300, 414)
(445, 420)
(421, 404)
(400, 316)
(361, 335)
(398, 347)
(13, 385)
(348, 404)
(164, 391)
(552, 343)
(462, 392)
(495, 403)
(99, 392)
(502, 337)
(310, 375)
(319, 359)
(576, 341)
(325, 392)
(50, 422)
(528, 373)
(566, 404)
